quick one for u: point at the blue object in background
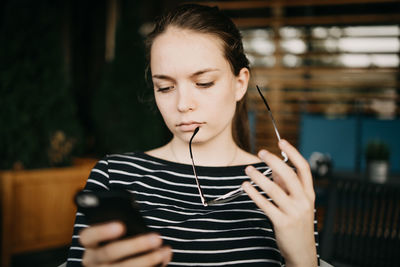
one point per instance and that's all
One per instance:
(387, 131)
(252, 125)
(336, 137)
(345, 139)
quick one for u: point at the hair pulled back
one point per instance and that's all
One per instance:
(210, 20)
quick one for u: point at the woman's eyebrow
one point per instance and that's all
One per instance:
(197, 73)
(200, 72)
(163, 77)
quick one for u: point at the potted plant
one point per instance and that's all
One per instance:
(377, 155)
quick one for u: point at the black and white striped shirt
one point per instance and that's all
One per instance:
(236, 233)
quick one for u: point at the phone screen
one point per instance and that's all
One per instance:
(105, 206)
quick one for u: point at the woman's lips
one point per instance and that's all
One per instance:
(189, 126)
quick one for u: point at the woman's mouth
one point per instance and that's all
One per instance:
(189, 126)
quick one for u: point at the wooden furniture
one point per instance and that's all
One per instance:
(37, 209)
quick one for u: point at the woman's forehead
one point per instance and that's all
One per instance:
(188, 50)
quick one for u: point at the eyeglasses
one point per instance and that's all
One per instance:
(237, 192)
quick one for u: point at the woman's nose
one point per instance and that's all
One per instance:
(186, 100)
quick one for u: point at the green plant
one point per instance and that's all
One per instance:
(377, 150)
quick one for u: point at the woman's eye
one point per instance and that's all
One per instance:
(164, 89)
(205, 85)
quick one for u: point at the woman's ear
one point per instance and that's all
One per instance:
(242, 81)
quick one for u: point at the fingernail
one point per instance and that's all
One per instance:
(155, 240)
(167, 252)
(115, 227)
(263, 153)
(249, 168)
(283, 142)
(245, 185)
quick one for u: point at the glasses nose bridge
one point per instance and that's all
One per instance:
(185, 98)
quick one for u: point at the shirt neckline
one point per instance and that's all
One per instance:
(199, 168)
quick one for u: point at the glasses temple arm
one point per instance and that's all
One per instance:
(273, 121)
(203, 200)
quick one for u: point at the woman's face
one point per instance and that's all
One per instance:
(194, 84)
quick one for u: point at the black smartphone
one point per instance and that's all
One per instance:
(105, 206)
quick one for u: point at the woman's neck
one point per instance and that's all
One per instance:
(219, 151)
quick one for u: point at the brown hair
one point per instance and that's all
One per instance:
(210, 20)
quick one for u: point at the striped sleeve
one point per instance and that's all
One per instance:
(98, 180)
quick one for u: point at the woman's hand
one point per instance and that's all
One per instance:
(143, 250)
(292, 210)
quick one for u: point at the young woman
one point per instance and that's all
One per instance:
(200, 77)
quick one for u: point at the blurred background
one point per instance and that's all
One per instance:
(73, 89)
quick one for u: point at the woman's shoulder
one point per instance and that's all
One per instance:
(246, 158)
(139, 155)
(136, 158)
(160, 152)
(109, 158)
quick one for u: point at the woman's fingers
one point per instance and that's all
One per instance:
(92, 236)
(270, 188)
(159, 257)
(127, 247)
(285, 173)
(145, 250)
(265, 205)
(288, 184)
(293, 195)
(302, 167)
